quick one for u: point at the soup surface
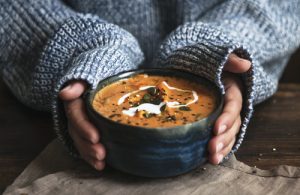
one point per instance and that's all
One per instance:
(155, 101)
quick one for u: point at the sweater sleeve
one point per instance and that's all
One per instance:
(45, 44)
(264, 32)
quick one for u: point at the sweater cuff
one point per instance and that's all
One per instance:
(203, 50)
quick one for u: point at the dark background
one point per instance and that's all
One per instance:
(292, 71)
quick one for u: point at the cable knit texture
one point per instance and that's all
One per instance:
(46, 44)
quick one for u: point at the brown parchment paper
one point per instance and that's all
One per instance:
(55, 172)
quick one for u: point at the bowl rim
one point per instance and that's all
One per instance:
(90, 93)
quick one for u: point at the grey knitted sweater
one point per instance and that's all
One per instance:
(46, 43)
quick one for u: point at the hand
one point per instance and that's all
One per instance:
(84, 134)
(228, 124)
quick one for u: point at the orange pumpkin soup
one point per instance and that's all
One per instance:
(154, 101)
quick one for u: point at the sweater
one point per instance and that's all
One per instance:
(45, 44)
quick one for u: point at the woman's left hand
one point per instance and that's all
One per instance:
(228, 124)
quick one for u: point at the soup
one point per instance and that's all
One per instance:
(154, 101)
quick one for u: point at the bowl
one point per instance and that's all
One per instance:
(159, 151)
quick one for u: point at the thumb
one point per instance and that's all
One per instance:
(236, 64)
(73, 90)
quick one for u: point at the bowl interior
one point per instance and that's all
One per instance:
(158, 72)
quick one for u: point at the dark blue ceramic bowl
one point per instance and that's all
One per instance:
(155, 152)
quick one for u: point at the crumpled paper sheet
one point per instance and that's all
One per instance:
(55, 172)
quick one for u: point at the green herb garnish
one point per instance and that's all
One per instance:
(156, 101)
(146, 98)
(152, 91)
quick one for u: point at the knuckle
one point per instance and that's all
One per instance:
(89, 136)
(233, 95)
(99, 153)
(102, 152)
(99, 165)
(229, 119)
(212, 145)
(95, 153)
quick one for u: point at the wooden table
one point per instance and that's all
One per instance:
(275, 126)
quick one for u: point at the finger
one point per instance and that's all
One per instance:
(86, 149)
(236, 64)
(218, 157)
(232, 108)
(221, 141)
(96, 164)
(77, 117)
(73, 90)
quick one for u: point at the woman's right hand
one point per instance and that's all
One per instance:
(84, 134)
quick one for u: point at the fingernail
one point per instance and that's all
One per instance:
(98, 156)
(220, 158)
(222, 129)
(219, 147)
(67, 87)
